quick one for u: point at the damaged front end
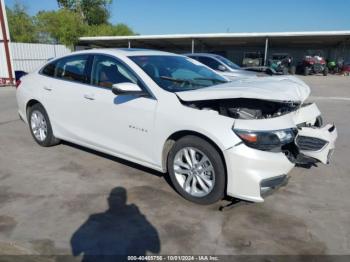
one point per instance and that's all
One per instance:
(288, 127)
(317, 143)
(245, 108)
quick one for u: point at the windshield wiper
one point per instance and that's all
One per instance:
(191, 81)
(175, 79)
(211, 79)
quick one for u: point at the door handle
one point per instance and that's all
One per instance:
(89, 96)
(47, 88)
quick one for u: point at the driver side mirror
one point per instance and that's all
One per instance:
(127, 89)
(222, 68)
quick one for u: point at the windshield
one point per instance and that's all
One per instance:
(228, 62)
(177, 73)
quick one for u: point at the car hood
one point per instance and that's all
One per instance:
(276, 88)
(232, 75)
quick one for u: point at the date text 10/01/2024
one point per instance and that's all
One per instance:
(173, 258)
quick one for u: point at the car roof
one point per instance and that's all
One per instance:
(123, 51)
(201, 54)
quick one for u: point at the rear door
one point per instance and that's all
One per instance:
(63, 92)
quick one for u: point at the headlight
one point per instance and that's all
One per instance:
(266, 140)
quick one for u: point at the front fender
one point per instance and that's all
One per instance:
(207, 123)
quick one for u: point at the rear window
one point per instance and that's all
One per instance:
(72, 68)
(49, 70)
(210, 62)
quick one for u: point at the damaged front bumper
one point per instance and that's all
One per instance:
(253, 173)
(317, 143)
(247, 168)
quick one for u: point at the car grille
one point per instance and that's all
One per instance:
(310, 143)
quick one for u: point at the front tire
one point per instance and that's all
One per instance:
(197, 171)
(325, 71)
(40, 126)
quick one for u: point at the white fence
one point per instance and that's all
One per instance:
(28, 57)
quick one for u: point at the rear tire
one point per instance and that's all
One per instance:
(205, 165)
(40, 126)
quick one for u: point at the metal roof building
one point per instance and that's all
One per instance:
(233, 45)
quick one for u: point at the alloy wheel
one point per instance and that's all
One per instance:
(194, 172)
(38, 125)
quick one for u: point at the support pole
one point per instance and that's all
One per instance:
(129, 44)
(192, 50)
(6, 41)
(266, 50)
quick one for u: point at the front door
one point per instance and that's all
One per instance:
(121, 124)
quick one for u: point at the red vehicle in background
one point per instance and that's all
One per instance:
(346, 68)
(313, 64)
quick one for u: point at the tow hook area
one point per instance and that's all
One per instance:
(267, 187)
(317, 143)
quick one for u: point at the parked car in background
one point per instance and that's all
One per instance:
(252, 59)
(170, 113)
(221, 65)
(282, 63)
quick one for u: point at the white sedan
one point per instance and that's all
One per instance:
(213, 137)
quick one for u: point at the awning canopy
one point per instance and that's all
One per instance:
(185, 41)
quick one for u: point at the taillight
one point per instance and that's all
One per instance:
(18, 82)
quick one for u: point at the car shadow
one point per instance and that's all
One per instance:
(130, 164)
(123, 162)
(115, 159)
(119, 231)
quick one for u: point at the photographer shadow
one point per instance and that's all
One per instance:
(119, 231)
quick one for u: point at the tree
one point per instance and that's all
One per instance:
(93, 12)
(21, 25)
(108, 30)
(63, 25)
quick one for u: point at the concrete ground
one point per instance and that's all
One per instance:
(69, 200)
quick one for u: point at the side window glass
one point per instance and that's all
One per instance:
(72, 68)
(107, 71)
(212, 63)
(49, 70)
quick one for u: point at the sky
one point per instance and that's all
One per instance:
(220, 16)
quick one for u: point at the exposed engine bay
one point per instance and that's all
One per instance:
(245, 108)
(305, 144)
